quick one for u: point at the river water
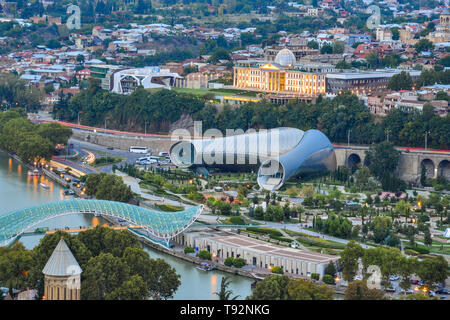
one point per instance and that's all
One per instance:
(18, 190)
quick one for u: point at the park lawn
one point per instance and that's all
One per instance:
(169, 208)
(218, 92)
(104, 161)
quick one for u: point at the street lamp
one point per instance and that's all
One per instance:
(387, 135)
(426, 139)
(348, 138)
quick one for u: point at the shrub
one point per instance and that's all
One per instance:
(418, 249)
(281, 239)
(271, 232)
(277, 270)
(236, 220)
(328, 279)
(239, 262)
(315, 276)
(188, 249)
(229, 261)
(411, 252)
(205, 255)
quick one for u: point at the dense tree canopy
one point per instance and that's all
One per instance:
(335, 117)
(278, 287)
(113, 263)
(108, 187)
(29, 141)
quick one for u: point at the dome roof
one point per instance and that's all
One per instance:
(62, 263)
(285, 58)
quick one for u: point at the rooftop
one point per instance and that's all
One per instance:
(62, 262)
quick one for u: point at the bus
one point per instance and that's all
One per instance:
(139, 149)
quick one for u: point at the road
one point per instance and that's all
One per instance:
(100, 151)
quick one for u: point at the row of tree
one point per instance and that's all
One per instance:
(390, 261)
(31, 142)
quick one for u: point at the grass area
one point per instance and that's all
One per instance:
(168, 207)
(218, 92)
(99, 162)
(235, 220)
(437, 249)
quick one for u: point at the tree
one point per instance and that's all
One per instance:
(15, 264)
(273, 287)
(427, 238)
(225, 293)
(34, 148)
(101, 239)
(373, 60)
(338, 47)
(382, 159)
(358, 290)
(108, 187)
(204, 254)
(313, 44)
(401, 81)
(306, 290)
(163, 281)
(189, 249)
(219, 54)
(229, 261)
(239, 262)
(433, 270)
(55, 132)
(102, 275)
(424, 45)
(395, 33)
(53, 44)
(326, 49)
(133, 289)
(407, 268)
(349, 258)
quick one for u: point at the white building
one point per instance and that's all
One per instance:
(126, 81)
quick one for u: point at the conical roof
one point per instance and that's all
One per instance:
(62, 262)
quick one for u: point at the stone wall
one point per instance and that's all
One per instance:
(154, 144)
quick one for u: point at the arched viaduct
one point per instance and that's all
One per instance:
(437, 163)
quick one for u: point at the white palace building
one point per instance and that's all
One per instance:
(126, 81)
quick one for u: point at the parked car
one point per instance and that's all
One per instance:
(414, 281)
(110, 148)
(394, 278)
(442, 291)
(391, 289)
(358, 277)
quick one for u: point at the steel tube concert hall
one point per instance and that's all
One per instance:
(278, 154)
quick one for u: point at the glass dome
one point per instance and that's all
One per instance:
(285, 58)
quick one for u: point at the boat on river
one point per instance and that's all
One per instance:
(34, 172)
(44, 185)
(205, 266)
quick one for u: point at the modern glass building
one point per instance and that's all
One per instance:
(277, 154)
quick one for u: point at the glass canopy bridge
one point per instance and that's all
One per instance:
(162, 226)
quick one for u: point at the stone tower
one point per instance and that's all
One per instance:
(445, 19)
(62, 275)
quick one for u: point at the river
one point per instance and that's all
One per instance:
(18, 190)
